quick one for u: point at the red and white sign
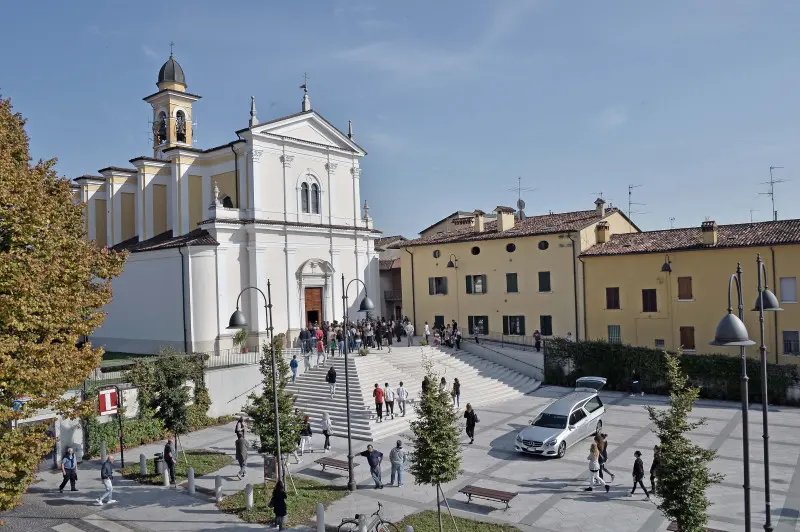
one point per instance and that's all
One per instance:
(107, 401)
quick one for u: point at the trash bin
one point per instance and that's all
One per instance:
(159, 463)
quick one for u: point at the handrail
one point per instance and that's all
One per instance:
(484, 346)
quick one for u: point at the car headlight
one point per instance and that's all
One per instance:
(519, 437)
(549, 443)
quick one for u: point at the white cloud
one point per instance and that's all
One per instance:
(611, 117)
(149, 52)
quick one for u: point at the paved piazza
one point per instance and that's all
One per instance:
(551, 495)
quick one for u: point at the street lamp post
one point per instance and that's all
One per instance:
(366, 305)
(731, 331)
(766, 301)
(453, 263)
(238, 321)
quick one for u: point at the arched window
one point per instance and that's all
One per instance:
(180, 126)
(315, 198)
(161, 128)
(304, 197)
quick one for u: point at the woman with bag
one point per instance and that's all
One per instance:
(594, 469)
(327, 427)
(278, 504)
(472, 418)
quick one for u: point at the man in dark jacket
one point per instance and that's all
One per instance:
(169, 459)
(638, 473)
(374, 459)
(241, 455)
(106, 473)
(655, 467)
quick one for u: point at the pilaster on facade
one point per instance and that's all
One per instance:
(295, 296)
(356, 172)
(336, 265)
(140, 211)
(331, 167)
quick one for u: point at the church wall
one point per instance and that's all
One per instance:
(160, 202)
(202, 300)
(195, 201)
(227, 185)
(100, 222)
(128, 215)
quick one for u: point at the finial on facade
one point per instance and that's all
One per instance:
(215, 202)
(306, 100)
(350, 129)
(253, 118)
(366, 210)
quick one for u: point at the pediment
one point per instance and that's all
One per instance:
(310, 127)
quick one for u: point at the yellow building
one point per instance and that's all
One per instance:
(507, 276)
(669, 289)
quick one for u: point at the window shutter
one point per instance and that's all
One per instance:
(544, 281)
(521, 325)
(505, 325)
(687, 337)
(485, 329)
(684, 288)
(485, 288)
(470, 324)
(469, 284)
(431, 286)
(444, 285)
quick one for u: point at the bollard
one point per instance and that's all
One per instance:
(190, 478)
(362, 523)
(142, 465)
(218, 488)
(248, 494)
(320, 517)
(166, 478)
(103, 452)
(409, 528)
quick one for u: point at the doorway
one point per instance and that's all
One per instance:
(313, 310)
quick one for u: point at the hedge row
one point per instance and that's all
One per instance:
(718, 376)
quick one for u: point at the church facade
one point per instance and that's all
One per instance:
(279, 204)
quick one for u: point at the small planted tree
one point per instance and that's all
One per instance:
(260, 407)
(684, 475)
(437, 450)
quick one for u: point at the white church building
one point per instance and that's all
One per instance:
(279, 203)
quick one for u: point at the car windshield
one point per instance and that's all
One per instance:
(550, 421)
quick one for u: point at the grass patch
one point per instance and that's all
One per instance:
(110, 357)
(429, 520)
(301, 507)
(203, 462)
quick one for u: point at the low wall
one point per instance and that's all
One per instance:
(228, 388)
(523, 361)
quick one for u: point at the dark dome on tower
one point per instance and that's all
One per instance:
(171, 72)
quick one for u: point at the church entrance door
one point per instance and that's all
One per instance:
(313, 298)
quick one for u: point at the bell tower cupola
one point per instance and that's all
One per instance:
(172, 109)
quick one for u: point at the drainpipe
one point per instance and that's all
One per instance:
(183, 300)
(575, 286)
(236, 174)
(583, 280)
(413, 291)
(776, 288)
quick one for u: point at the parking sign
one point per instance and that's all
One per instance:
(107, 401)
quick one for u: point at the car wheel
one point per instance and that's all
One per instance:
(562, 449)
(599, 428)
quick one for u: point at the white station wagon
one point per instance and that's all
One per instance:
(566, 421)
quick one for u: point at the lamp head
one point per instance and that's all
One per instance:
(237, 321)
(770, 302)
(450, 264)
(666, 268)
(366, 305)
(731, 332)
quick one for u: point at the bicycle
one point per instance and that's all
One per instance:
(375, 523)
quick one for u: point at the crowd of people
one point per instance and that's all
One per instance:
(598, 456)
(330, 338)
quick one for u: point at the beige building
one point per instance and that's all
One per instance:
(391, 296)
(509, 276)
(454, 222)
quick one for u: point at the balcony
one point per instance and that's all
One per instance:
(392, 295)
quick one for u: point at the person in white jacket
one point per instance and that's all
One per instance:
(388, 398)
(327, 429)
(401, 394)
(594, 469)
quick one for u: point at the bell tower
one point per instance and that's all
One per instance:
(172, 109)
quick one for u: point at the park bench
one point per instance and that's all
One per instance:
(333, 463)
(486, 493)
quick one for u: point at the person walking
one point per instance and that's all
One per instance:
(472, 419)
(457, 336)
(278, 504)
(330, 378)
(305, 436)
(169, 459)
(427, 332)
(401, 394)
(239, 429)
(537, 340)
(602, 446)
(374, 459)
(397, 457)
(443, 385)
(379, 335)
(327, 430)
(320, 351)
(377, 393)
(241, 456)
(655, 467)
(69, 468)
(293, 365)
(638, 474)
(594, 469)
(410, 333)
(456, 393)
(388, 398)
(106, 472)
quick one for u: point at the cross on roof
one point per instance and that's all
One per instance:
(171, 45)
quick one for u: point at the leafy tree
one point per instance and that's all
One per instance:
(260, 407)
(53, 286)
(437, 450)
(684, 474)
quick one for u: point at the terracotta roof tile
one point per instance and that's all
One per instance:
(198, 237)
(728, 236)
(534, 225)
(382, 243)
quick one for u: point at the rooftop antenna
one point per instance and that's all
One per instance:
(519, 190)
(631, 203)
(772, 182)
(672, 222)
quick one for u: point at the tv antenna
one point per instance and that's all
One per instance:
(519, 189)
(672, 222)
(631, 203)
(772, 182)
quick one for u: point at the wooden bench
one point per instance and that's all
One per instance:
(333, 463)
(486, 493)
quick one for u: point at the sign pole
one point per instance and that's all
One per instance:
(121, 433)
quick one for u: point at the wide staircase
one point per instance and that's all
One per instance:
(482, 383)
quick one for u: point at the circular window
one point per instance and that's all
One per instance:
(544, 244)
(437, 254)
(476, 250)
(511, 248)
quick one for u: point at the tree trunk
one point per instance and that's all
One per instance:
(439, 508)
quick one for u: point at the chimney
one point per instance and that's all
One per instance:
(600, 207)
(479, 220)
(505, 218)
(709, 229)
(602, 232)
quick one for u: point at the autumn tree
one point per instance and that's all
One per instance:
(53, 286)
(683, 473)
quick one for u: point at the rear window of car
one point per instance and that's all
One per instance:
(593, 404)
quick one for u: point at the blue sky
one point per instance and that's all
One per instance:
(453, 100)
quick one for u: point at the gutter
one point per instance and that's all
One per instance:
(413, 291)
(183, 299)
(575, 285)
(583, 279)
(777, 289)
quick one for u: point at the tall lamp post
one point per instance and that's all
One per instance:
(766, 301)
(238, 321)
(453, 263)
(366, 305)
(731, 331)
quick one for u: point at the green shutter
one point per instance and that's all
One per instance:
(470, 324)
(505, 325)
(485, 286)
(522, 325)
(444, 285)
(431, 286)
(544, 281)
(469, 284)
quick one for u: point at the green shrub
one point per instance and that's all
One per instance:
(363, 351)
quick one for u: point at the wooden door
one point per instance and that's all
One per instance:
(313, 310)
